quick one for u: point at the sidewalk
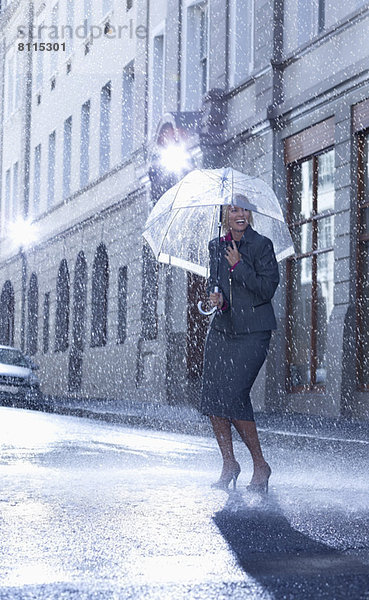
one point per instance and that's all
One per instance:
(185, 419)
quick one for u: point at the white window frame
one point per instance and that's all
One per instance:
(187, 6)
(235, 80)
(158, 31)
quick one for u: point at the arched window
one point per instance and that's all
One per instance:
(32, 332)
(79, 323)
(149, 306)
(7, 314)
(122, 305)
(62, 308)
(79, 301)
(99, 301)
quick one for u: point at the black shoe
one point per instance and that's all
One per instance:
(225, 480)
(261, 487)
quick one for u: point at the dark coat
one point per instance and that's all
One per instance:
(249, 288)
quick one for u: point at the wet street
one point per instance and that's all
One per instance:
(101, 511)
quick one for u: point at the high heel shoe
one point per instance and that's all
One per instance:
(262, 486)
(225, 480)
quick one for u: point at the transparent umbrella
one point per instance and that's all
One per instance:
(188, 216)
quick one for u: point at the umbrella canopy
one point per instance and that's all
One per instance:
(186, 217)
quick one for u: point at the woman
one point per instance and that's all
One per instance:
(238, 339)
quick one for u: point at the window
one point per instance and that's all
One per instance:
(149, 317)
(310, 273)
(100, 287)
(107, 6)
(14, 209)
(62, 308)
(122, 305)
(337, 11)
(54, 25)
(79, 301)
(7, 207)
(18, 81)
(363, 264)
(304, 20)
(10, 86)
(67, 157)
(46, 324)
(84, 165)
(51, 170)
(105, 101)
(32, 301)
(127, 109)
(158, 78)
(241, 40)
(40, 59)
(69, 28)
(7, 314)
(197, 51)
(88, 15)
(37, 179)
(79, 322)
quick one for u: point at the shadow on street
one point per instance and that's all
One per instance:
(286, 562)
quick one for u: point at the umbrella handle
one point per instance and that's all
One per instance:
(207, 312)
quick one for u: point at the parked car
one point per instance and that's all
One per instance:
(19, 385)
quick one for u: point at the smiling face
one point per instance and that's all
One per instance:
(238, 219)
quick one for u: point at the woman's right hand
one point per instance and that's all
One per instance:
(216, 299)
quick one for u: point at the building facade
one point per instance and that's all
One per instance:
(91, 94)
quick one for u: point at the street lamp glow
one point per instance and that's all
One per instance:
(175, 158)
(22, 233)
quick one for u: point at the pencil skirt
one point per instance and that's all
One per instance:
(231, 365)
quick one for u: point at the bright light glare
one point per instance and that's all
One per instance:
(22, 233)
(175, 158)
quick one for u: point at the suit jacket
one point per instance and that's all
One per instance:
(248, 288)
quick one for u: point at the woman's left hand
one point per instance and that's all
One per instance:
(232, 254)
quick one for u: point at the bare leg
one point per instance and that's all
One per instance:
(249, 435)
(223, 434)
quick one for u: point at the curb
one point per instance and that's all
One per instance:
(187, 420)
